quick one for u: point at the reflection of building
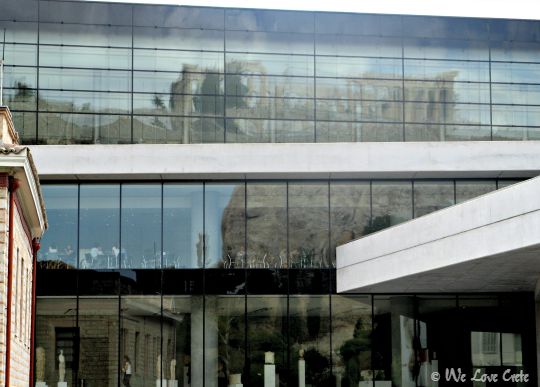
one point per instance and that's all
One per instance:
(22, 223)
(245, 148)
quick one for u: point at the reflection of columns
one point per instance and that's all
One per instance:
(204, 324)
(213, 215)
(191, 261)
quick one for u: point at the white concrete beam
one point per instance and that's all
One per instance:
(341, 160)
(491, 243)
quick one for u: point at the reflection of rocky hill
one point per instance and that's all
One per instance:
(308, 221)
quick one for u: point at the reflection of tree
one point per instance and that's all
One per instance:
(378, 223)
(159, 105)
(356, 354)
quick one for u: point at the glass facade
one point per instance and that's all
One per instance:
(199, 339)
(85, 73)
(271, 224)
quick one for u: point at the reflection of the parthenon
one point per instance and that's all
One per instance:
(264, 108)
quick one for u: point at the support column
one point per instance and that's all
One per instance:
(204, 334)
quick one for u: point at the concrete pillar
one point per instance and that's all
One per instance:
(204, 334)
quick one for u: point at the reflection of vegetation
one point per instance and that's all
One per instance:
(378, 223)
(23, 91)
(56, 264)
(231, 346)
(158, 103)
(356, 354)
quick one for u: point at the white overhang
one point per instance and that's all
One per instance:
(488, 244)
(487, 159)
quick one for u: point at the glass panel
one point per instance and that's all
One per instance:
(469, 189)
(172, 16)
(186, 130)
(56, 331)
(350, 212)
(359, 89)
(309, 341)
(352, 340)
(441, 339)
(358, 131)
(450, 113)
(141, 336)
(446, 48)
(511, 349)
(22, 10)
(391, 204)
(141, 226)
(441, 91)
(25, 123)
(446, 70)
(179, 61)
(19, 54)
(248, 86)
(85, 57)
(176, 38)
(182, 344)
(516, 115)
(394, 341)
(347, 110)
(266, 64)
(266, 236)
(19, 32)
(275, 108)
(445, 132)
(176, 104)
(20, 77)
(286, 43)
(515, 94)
(371, 68)
(348, 45)
(98, 328)
(260, 130)
(182, 225)
(85, 13)
(515, 133)
(99, 243)
(79, 79)
(358, 24)
(432, 196)
(446, 27)
(85, 102)
(224, 221)
(268, 20)
(59, 243)
(85, 35)
(68, 128)
(515, 72)
(21, 98)
(506, 182)
(485, 348)
(267, 334)
(308, 225)
(227, 325)
(515, 51)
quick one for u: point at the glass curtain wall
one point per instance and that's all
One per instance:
(280, 339)
(231, 225)
(90, 73)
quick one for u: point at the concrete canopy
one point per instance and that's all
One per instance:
(487, 244)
